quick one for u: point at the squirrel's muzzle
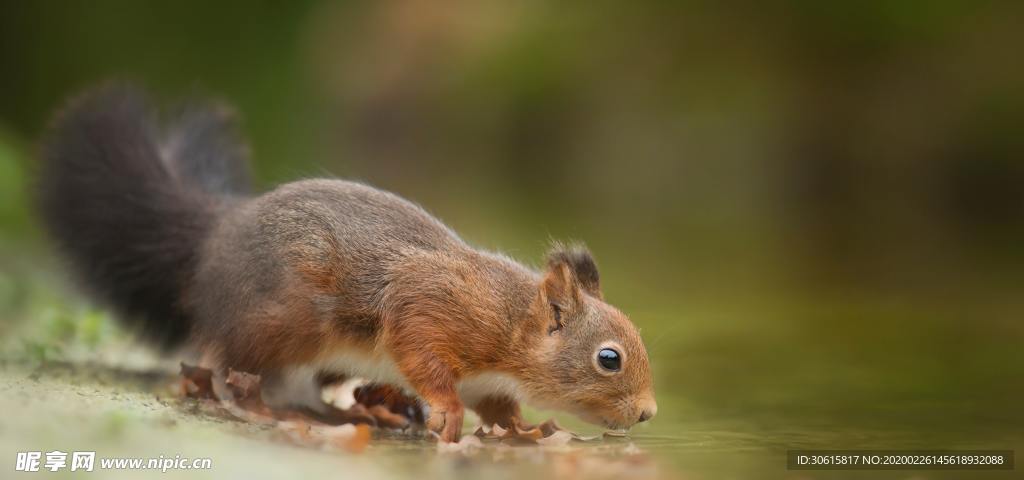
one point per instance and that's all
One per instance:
(648, 409)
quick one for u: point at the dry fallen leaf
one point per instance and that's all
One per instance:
(245, 390)
(196, 382)
(519, 435)
(490, 433)
(556, 439)
(348, 437)
(548, 433)
(359, 442)
(549, 427)
(243, 385)
(353, 438)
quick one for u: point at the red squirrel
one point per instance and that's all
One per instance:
(155, 217)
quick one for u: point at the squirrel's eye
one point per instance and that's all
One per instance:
(609, 359)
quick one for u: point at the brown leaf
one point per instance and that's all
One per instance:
(549, 427)
(556, 439)
(492, 433)
(244, 389)
(196, 382)
(348, 437)
(244, 386)
(529, 432)
(358, 442)
(518, 435)
(498, 430)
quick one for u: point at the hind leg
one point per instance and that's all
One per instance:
(293, 389)
(498, 410)
(299, 390)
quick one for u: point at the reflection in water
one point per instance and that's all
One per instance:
(602, 458)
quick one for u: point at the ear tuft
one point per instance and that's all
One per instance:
(559, 286)
(580, 262)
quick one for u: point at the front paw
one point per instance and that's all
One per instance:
(446, 423)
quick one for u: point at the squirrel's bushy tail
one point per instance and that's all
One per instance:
(129, 199)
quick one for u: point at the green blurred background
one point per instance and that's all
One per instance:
(813, 210)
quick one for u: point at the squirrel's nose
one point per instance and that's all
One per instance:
(648, 412)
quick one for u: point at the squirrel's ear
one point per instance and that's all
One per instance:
(559, 286)
(580, 264)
